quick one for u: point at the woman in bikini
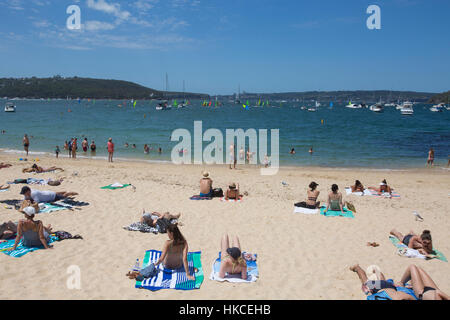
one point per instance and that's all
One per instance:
(26, 143)
(5, 165)
(422, 286)
(37, 169)
(335, 202)
(383, 188)
(232, 261)
(174, 253)
(358, 187)
(33, 233)
(313, 194)
(232, 192)
(430, 159)
(422, 243)
(147, 218)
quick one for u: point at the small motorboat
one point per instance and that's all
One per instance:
(407, 109)
(10, 107)
(376, 108)
(437, 108)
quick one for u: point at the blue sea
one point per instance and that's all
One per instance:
(347, 137)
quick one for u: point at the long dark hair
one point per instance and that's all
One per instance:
(357, 183)
(178, 238)
(426, 235)
(334, 188)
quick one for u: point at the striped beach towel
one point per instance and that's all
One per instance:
(231, 200)
(172, 279)
(53, 207)
(400, 245)
(330, 213)
(20, 250)
(252, 272)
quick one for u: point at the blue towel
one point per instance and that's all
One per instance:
(252, 271)
(21, 250)
(172, 279)
(330, 213)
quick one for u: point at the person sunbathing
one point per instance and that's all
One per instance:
(422, 243)
(335, 202)
(232, 192)
(422, 286)
(313, 194)
(5, 165)
(45, 196)
(37, 169)
(174, 255)
(383, 188)
(32, 232)
(206, 189)
(232, 261)
(4, 187)
(8, 230)
(162, 222)
(358, 187)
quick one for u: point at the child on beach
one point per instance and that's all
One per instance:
(57, 151)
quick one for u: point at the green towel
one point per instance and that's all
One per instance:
(115, 188)
(347, 213)
(439, 255)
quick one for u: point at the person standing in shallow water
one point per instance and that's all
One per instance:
(26, 143)
(74, 148)
(430, 160)
(110, 150)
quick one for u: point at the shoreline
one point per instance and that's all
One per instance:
(81, 155)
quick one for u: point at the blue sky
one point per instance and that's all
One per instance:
(264, 45)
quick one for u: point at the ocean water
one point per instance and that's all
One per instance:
(347, 137)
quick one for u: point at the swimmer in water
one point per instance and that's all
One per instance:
(85, 144)
(292, 151)
(146, 149)
(311, 151)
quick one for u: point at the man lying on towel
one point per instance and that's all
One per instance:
(45, 196)
(161, 223)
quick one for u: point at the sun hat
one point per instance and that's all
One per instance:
(205, 174)
(232, 185)
(29, 211)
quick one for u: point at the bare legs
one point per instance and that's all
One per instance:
(397, 234)
(225, 244)
(66, 194)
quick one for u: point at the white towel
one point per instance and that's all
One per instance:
(306, 210)
(366, 192)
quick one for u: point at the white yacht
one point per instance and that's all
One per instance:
(354, 106)
(312, 109)
(391, 104)
(10, 107)
(407, 108)
(378, 107)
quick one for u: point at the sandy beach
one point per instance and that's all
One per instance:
(299, 256)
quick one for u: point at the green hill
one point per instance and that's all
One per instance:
(59, 87)
(441, 97)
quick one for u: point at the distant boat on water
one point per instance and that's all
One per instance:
(378, 107)
(354, 105)
(10, 107)
(407, 108)
(437, 108)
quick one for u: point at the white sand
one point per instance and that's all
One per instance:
(299, 256)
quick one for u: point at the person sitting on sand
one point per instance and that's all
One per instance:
(232, 192)
(45, 196)
(422, 243)
(422, 286)
(162, 222)
(358, 187)
(8, 230)
(5, 165)
(335, 202)
(32, 232)
(37, 169)
(206, 188)
(313, 194)
(232, 261)
(383, 188)
(174, 254)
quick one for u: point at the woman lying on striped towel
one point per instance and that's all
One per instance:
(422, 286)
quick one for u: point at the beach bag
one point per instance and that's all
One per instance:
(217, 193)
(162, 225)
(350, 206)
